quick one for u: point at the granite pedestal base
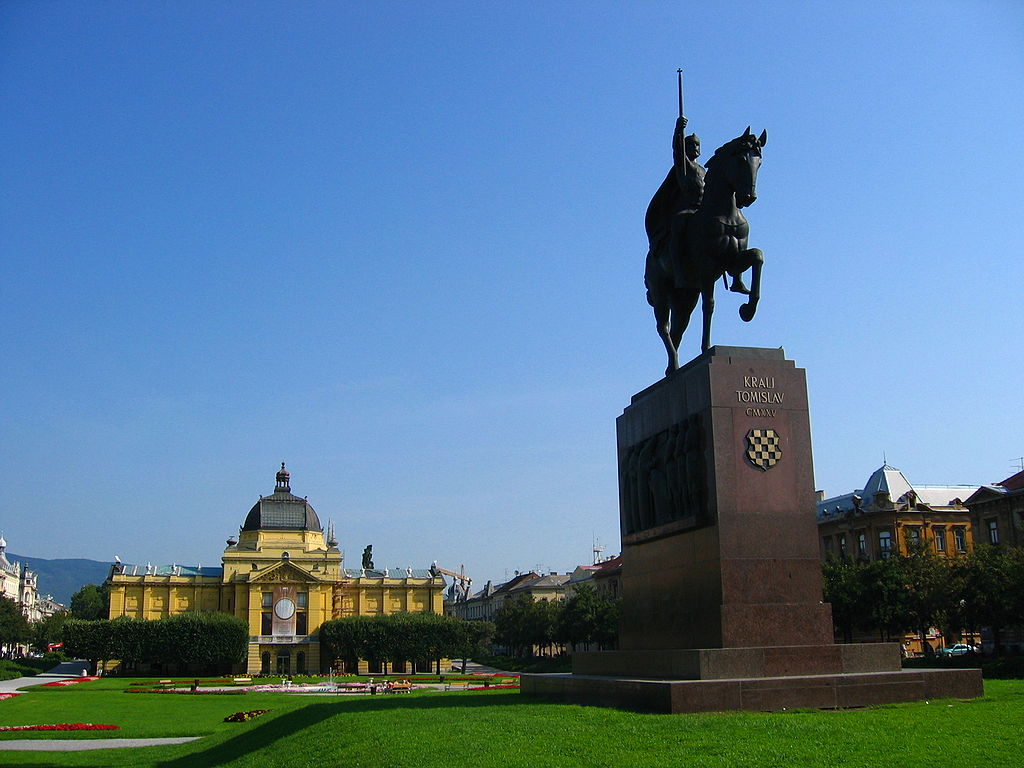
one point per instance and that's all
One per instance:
(721, 570)
(738, 663)
(834, 691)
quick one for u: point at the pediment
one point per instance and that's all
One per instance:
(283, 572)
(983, 494)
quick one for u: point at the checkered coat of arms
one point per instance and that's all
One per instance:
(763, 448)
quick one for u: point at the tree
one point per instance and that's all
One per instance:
(47, 630)
(886, 597)
(134, 641)
(416, 637)
(577, 622)
(343, 639)
(992, 580)
(522, 623)
(210, 641)
(87, 639)
(472, 638)
(91, 602)
(608, 616)
(588, 617)
(14, 628)
(845, 588)
(929, 594)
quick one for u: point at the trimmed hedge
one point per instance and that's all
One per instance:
(12, 670)
(997, 668)
(185, 640)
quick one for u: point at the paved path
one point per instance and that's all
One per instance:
(80, 745)
(473, 668)
(60, 672)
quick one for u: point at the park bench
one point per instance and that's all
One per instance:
(455, 685)
(165, 684)
(242, 680)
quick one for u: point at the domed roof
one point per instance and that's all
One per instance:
(282, 510)
(887, 479)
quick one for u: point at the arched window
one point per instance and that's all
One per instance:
(265, 665)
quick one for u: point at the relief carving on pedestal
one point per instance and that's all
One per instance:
(662, 478)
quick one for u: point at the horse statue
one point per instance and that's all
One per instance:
(691, 249)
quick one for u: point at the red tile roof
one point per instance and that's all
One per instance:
(1014, 482)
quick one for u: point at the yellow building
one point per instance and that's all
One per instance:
(284, 578)
(889, 516)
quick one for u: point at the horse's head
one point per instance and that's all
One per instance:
(738, 161)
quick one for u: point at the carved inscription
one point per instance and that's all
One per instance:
(760, 390)
(662, 478)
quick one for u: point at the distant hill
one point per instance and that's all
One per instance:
(62, 578)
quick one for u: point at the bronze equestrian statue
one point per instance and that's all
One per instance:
(697, 234)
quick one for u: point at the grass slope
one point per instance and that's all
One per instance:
(503, 728)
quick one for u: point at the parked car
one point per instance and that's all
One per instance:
(960, 649)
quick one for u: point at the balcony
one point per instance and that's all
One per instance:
(282, 639)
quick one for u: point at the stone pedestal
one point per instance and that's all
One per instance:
(721, 573)
(719, 549)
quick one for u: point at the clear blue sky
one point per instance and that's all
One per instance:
(400, 246)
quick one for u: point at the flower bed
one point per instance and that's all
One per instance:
(214, 681)
(7, 696)
(62, 727)
(492, 687)
(69, 681)
(469, 677)
(184, 691)
(242, 717)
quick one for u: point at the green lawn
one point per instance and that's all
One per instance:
(503, 728)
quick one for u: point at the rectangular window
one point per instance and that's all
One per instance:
(940, 538)
(885, 543)
(301, 623)
(302, 599)
(993, 531)
(842, 545)
(268, 599)
(828, 545)
(266, 623)
(913, 535)
(862, 545)
(960, 537)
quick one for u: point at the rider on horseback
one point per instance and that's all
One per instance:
(690, 178)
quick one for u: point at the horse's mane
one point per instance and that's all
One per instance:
(738, 145)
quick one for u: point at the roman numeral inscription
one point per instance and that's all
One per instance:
(760, 389)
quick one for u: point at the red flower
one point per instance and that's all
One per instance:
(69, 681)
(62, 727)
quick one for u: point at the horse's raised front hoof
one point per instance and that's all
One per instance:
(747, 312)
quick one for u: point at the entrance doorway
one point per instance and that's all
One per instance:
(284, 663)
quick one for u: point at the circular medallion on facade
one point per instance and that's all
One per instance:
(763, 448)
(284, 609)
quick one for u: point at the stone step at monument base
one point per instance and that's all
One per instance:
(734, 663)
(837, 691)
